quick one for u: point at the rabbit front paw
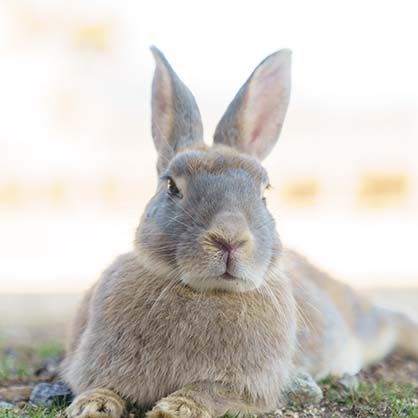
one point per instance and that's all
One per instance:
(178, 407)
(96, 403)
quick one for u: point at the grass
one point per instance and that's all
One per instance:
(12, 366)
(30, 412)
(49, 349)
(22, 362)
(372, 399)
(389, 398)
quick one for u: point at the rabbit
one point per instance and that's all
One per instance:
(209, 314)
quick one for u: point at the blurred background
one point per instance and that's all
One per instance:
(77, 163)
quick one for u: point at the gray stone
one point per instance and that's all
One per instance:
(304, 390)
(50, 394)
(349, 382)
(6, 405)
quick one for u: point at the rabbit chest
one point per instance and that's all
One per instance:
(246, 340)
(148, 338)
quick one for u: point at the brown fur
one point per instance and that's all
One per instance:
(207, 337)
(129, 298)
(177, 324)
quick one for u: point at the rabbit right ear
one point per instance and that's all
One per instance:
(254, 119)
(176, 121)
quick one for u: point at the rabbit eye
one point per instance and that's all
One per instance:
(172, 188)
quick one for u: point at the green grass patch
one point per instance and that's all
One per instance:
(377, 399)
(22, 361)
(49, 350)
(14, 366)
(29, 412)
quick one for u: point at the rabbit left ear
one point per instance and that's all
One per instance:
(254, 119)
(176, 121)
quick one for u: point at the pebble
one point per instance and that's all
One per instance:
(304, 390)
(349, 382)
(50, 394)
(6, 405)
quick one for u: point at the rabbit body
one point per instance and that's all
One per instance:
(209, 314)
(147, 338)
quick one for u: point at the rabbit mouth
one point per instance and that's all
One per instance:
(228, 276)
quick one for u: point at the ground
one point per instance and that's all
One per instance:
(387, 389)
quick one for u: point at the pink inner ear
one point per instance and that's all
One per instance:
(162, 103)
(162, 106)
(263, 107)
(253, 120)
(161, 96)
(262, 119)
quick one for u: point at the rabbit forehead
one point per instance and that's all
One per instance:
(216, 160)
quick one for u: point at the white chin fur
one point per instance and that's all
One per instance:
(193, 280)
(217, 283)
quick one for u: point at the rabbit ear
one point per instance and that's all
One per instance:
(254, 119)
(176, 121)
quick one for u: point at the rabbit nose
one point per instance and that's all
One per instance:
(223, 245)
(226, 247)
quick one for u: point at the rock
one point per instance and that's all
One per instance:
(6, 405)
(304, 390)
(16, 393)
(50, 394)
(349, 382)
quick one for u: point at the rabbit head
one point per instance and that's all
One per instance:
(208, 225)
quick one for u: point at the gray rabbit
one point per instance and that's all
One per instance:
(209, 313)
